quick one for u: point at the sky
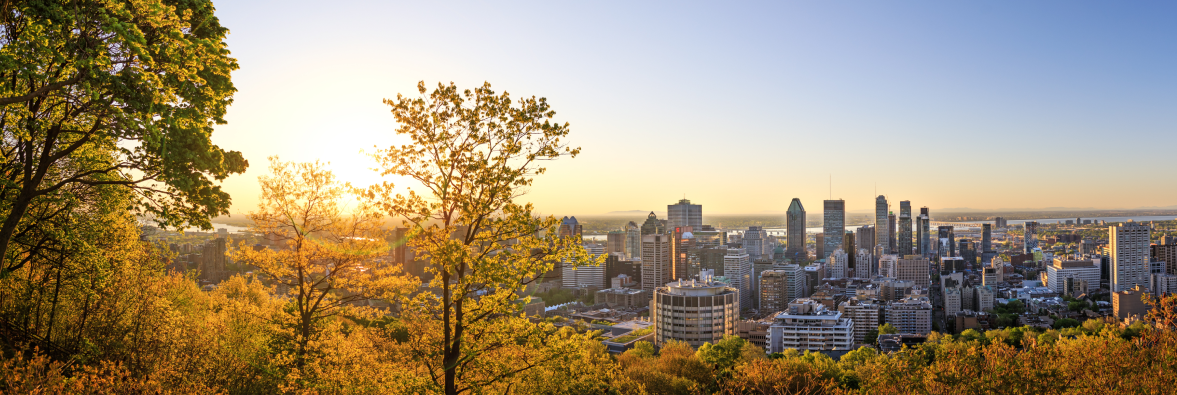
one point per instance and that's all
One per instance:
(740, 106)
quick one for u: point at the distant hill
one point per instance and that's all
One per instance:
(628, 212)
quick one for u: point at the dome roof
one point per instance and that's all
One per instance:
(688, 235)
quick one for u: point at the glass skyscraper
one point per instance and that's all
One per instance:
(834, 225)
(795, 226)
(904, 233)
(881, 226)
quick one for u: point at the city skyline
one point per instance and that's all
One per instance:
(771, 90)
(524, 248)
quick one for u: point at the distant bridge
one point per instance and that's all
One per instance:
(956, 224)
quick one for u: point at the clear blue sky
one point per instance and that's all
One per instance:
(742, 107)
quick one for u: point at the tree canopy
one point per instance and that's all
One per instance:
(97, 92)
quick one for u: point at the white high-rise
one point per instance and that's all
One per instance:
(837, 264)
(737, 269)
(1058, 272)
(1129, 243)
(585, 276)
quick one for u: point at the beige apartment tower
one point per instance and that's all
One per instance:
(694, 311)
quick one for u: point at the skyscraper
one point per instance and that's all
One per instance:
(1030, 236)
(986, 238)
(684, 214)
(1129, 243)
(569, 227)
(925, 236)
(881, 225)
(819, 246)
(904, 233)
(682, 252)
(987, 252)
(892, 245)
(848, 247)
(737, 268)
(865, 237)
(656, 264)
(633, 240)
(833, 224)
(795, 226)
(947, 241)
(615, 242)
(652, 226)
(756, 242)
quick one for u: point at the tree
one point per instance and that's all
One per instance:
(326, 261)
(872, 337)
(1065, 323)
(473, 153)
(888, 329)
(724, 354)
(108, 93)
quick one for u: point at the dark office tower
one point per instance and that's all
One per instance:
(834, 225)
(892, 244)
(904, 233)
(795, 226)
(617, 264)
(1030, 236)
(947, 245)
(652, 226)
(987, 252)
(820, 246)
(986, 238)
(968, 251)
(684, 214)
(1001, 223)
(925, 236)
(881, 224)
(848, 248)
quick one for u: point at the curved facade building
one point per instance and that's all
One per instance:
(694, 311)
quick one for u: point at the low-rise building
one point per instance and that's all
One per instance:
(624, 335)
(622, 297)
(808, 325)
(1128, 305)
(755, 331)
(609, 315)
(895, 342)
(911, 315)
(866, 314)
